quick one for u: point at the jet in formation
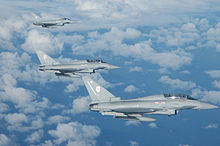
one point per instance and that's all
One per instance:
(135, 109)
(53, 23)
(73, 69)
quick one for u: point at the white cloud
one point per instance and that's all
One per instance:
(218, 47)
(152, 125)
(75, 133)
(208, 96)
(133, 143)
(24, 99)
(57, 119)
(177, 37)
(130, 89)
(213, 33)
(9, 26)
(131, 122)
(177, 83)
(74, 86)
(128, 63)
(16, 118)
(135, 69)
(34, 122)
(4, 140)
(45, 41)
(47, 143)
(141, 50)
(100, 80)
(184, 145)
(213, 37)
(211, 126)
(214, 73)
(189, 27)
(212, 96)
(35, 136)
(185, 72)
(216, 84)
(79, 105)
(3, 107)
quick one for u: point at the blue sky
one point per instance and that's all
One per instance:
(171, 46)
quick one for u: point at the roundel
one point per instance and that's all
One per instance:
(45, 57)
(98, 89)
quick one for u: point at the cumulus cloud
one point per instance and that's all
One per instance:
(3, 107)
(75, 133)
(79, 105)
(212, 33)
(45, 42)
(152, 125)
(34, 122)
(16, 118)
(99, 42)
(208, 96)
(177, 83)
(133, 143)
(134, 123)
(4, 140)
(130, 89)
(20, 96)
(57, 119)
(216, 84)
(72, 87)
(135, 69)
(178, 37)
(185, 72)
(214, 73)
(212, 96)
(211, 126)
(35, 136)
(9, 26)
(184, 145)
(24, 99)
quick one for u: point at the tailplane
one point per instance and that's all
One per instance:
(45, 59)
(97, 92)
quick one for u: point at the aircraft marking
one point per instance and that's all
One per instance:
(91, 87)
(98, 89)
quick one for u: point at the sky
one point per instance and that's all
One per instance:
(170, 46)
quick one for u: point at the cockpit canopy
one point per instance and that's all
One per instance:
(66, 19)
(97, 60)
(178, 96)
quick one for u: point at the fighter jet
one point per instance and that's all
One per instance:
(73, 69)
(135, 109)
(53, 23)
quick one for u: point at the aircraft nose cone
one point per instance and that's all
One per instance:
(207, 106)
(113, 67)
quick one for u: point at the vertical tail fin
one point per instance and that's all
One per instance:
(45, 59)
(97, 92)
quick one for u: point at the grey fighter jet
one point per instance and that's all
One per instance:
(134, 109)
(73, 69)
(53, 23)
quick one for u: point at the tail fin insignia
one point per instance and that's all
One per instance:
(97, 92)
